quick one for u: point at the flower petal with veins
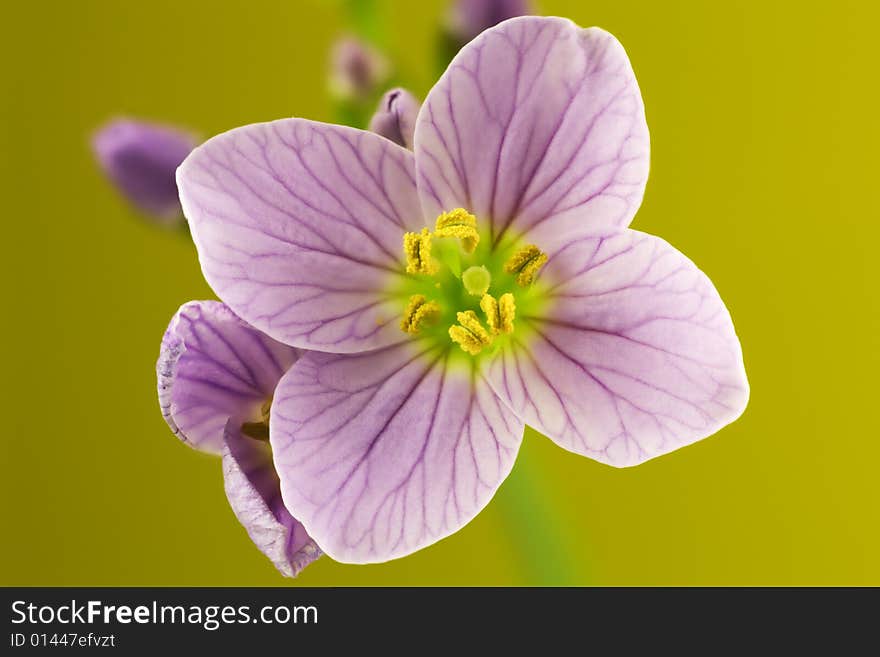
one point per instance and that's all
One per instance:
(537, 126)
(298, 225)
(383, 453)
(213, 367)
(255, 496)
(636, 357)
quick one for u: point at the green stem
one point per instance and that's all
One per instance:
(540, 543)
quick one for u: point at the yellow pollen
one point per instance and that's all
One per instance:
(417, 247)
(499, 312)
(418, 311)
(525, 263)
(461, 224)
(469, 334)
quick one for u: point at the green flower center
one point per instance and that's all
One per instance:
(464, 291)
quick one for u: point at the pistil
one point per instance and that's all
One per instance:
(476, 280)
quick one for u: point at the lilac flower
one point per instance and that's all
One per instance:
(484, 281)
(216, 378)
(467, 18)
(140, 158)
(356, 69)
(395, 118)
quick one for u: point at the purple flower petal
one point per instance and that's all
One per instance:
(299, 228)
(395, 118)
(637, 356)
(383, 453)
(213, 367)
(537, 126)
(140, 158)
(255, 496)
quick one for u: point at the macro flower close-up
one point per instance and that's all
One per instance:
(443, 298)
(349, 320)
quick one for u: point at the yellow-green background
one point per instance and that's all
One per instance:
(764, 170)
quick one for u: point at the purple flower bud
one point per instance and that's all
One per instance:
(395, 118)
(141, 158)
(467, 18)
(356, 69)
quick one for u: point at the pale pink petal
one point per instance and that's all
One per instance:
(299, 228)
(255, 496)
(538, 127)
(636, 356)
(212, 367)
(383, 453)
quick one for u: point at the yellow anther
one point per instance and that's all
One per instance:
(525, 263)
(507, 311)
(489, 306)
(499, 312)
(469, 320)
(259, 429)
(461, 224)
(469, 333)
(418, 311)
(417, 247)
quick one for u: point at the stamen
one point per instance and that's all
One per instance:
(499, 313)
(489, 306)
(476, 280)
(418, 311)
(417, 247)
(461, 224)
(525, 263)
(256, 430)
(259, 430)
(469, 334)
(507, 311)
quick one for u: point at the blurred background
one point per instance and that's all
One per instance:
(764, 154)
